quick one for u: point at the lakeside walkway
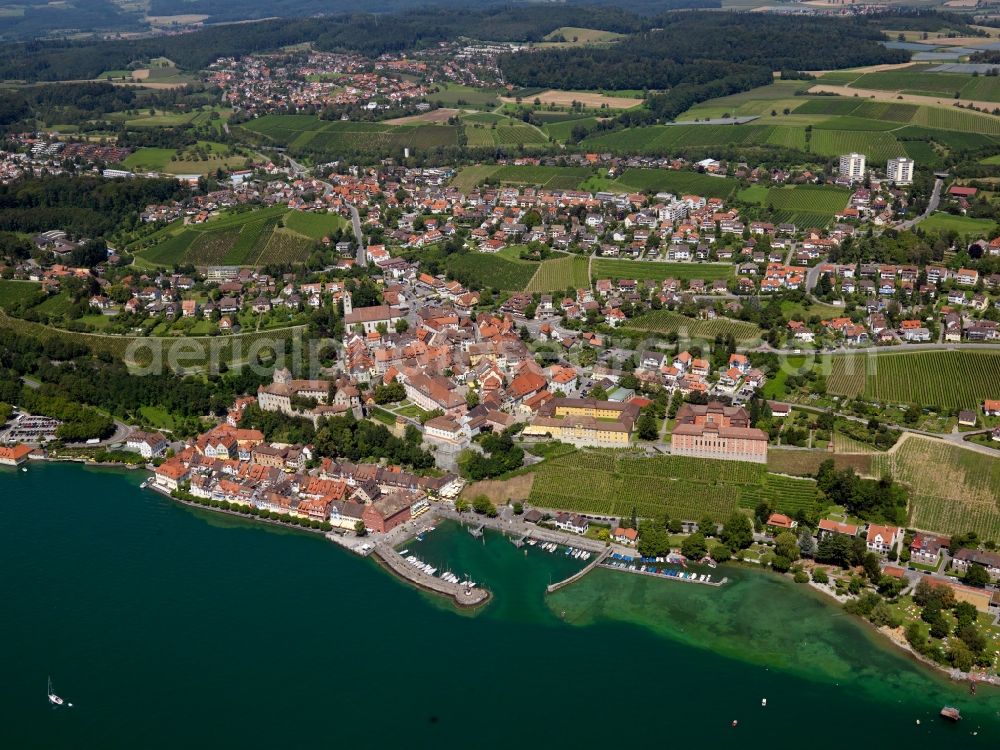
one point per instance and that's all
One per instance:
(465, 596)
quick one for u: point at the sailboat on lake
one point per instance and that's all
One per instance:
(54, 699)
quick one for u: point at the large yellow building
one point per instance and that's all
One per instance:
(585, 422)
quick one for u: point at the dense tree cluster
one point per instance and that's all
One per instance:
(369, 33)
(86, 206)
(502, 455)
(72, 377)
(870, 499)
(342, 437)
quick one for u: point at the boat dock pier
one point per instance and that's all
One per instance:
(477, 531)
(661, 574)
(580, 573)
(464, 595)
(519, 542)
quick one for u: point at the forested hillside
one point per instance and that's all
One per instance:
(698, 55)
(366, 33)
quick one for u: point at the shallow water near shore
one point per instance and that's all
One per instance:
(171, 626)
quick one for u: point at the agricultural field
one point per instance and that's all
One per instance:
(963, 225)
(557, 274)
(919, 79)
(942, 379)
(203, 158)
(616, 482)
(574, 36)
(483, 271)
(14, 292)
(658, 270)
(562, 129)
(249, 238)
(594, 100)
(952, 489)
(308, 135)
(665, 322)
(798, 462)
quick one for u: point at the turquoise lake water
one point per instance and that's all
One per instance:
(170, 627)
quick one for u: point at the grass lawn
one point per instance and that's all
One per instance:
(964, 225)
(469, 177)
(381, 415)
(157, 416)
(801, 311)
(314, 225)
(775, 386)
(97, 320)
(455, 94)
(412, 411)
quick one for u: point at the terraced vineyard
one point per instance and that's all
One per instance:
(657, 139)
(13, 292)
(945, 379)
(952, 489)
(242, 238)
(806, 205)
(552, 178)
(504, 135)
(480, 271)
(665, 322)
(608, 482)
(557, 274)
(877, 146)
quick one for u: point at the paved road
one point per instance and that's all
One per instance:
(878, 349)
(297, 168)
(358, 237)
(932, 205)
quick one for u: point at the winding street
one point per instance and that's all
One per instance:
(932, 205)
